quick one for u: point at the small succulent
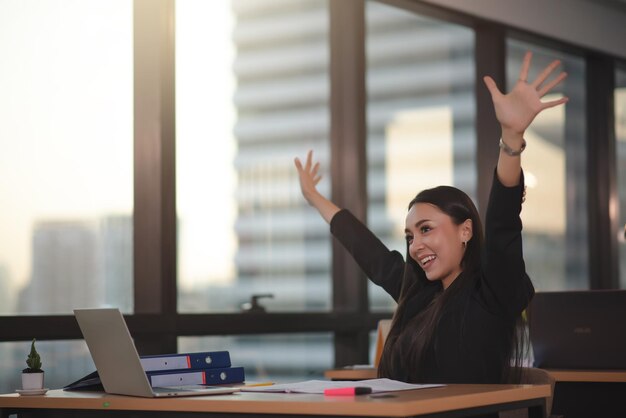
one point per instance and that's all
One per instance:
(33, 361)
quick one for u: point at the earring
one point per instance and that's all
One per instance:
(464, 243)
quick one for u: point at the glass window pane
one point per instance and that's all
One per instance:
(62, 361)
(420, 113)
(271, 357)
(252, 93)
(555, 211)
(620, 148)
(66, 176)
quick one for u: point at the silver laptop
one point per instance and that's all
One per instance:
(117, 360)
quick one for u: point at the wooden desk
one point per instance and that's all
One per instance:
(560, 375)
(451, 400)
(607, 376)
(577, 393)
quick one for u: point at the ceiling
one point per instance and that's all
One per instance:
(615, 4)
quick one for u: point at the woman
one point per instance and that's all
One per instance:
(459, 296)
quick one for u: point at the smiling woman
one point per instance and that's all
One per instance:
(459, 299)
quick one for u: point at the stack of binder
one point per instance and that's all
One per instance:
(204, 368)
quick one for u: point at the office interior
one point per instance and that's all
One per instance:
(147, 163)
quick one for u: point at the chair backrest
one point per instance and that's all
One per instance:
(383, 331)
(534, 376)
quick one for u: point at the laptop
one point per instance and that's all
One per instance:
(117, 361)
(579, 329)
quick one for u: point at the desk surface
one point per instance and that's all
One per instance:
(405, 403)
(603, 376)
(600, 376)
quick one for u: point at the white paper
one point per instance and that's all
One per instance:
(318, 386)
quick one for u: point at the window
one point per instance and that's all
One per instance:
(420, 113)
(620, 150)
(555, 211)
(66, 133)
(252, 93)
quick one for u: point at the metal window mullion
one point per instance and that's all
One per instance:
(490, 56)
(154, 218)
(348, 162)
(602, 173)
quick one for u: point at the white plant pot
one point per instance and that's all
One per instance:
(32, 381)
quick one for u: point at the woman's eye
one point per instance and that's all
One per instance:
(409, 239)
(424, 229)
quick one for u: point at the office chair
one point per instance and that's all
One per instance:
(534, 376)
(381, 335)
(530, 375)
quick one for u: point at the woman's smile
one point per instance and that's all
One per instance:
(426, 261)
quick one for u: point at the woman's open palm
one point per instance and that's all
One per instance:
(517, 109)
(308, 175)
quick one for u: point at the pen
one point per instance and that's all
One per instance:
(351, 391)
(249, 385)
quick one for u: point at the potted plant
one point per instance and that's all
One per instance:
(32, 376)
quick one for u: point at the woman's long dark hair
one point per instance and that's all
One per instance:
(406, 360)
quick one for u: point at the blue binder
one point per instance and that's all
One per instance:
(197, 377)
(202, 360)
(163, 363)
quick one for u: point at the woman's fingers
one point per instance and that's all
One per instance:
(545, 73)
(316, 168)
(545, 89)
(312, 172)
(491, 86)
(523, 74)
(553, 103)
(309, 160)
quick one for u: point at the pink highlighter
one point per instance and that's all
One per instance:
(351, 391)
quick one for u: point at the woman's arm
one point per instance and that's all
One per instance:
(382, 266)
(508, 287)
(507, 282)
(515, 112)
(309, 178)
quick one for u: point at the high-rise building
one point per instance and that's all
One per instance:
(64, 269)
(115, 268)
(6, 299)
(281, 100)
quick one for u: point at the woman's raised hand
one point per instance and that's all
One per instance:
(517, 109)
(309, 177)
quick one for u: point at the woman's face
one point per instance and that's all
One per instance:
(435, 242)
